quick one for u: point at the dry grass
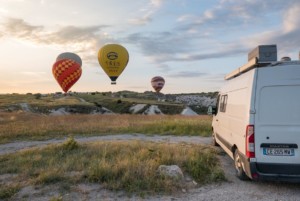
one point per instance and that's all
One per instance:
(27, 126)
(7, 191)
(128, 166)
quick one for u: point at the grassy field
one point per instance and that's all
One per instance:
(115, 165)
(28, 126)
(128, 166)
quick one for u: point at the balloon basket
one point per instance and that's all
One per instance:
(113, 82)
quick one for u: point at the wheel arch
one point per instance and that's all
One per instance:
(233, 148)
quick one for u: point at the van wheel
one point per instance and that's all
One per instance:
(240, 173)
(214, 142)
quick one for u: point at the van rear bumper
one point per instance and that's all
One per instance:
(275, 172)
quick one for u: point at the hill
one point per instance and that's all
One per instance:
(122, 102)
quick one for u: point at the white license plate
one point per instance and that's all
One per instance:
(278, 152)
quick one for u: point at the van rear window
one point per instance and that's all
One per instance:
(279, 105)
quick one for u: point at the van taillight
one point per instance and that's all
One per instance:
(250, 149)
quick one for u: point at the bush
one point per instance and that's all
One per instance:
(7, 192)
(38, 96)
(70, 144)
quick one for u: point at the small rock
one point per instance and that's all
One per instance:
(188, 179)
(172, 171)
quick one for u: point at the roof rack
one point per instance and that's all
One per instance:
(262, 55)
(253, 63)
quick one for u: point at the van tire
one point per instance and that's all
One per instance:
(240, 173)
(214, 142)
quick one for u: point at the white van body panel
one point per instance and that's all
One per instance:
(277, 119)
(268, 98)
(231, 125)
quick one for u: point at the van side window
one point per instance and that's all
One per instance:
(223, 103)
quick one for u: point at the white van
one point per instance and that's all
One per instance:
(257, 117)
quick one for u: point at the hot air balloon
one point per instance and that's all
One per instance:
(113, 58)
(157, 83)
(67, 70)
(69, 55)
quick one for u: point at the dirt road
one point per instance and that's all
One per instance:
(233, 189)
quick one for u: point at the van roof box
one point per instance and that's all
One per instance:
(261, 56)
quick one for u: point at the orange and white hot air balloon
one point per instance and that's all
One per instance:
(67, 71)
(69, 55)
(157, 83)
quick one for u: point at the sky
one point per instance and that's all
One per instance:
(193, 44)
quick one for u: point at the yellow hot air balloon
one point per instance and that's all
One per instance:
(113, 58)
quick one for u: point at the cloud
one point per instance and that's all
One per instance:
(193, 38)
(227, 50)
(212, 78)
(229, 29)
(234, 13)
(28, 77)
(77, 39)
(35, 74)
(215, 78)
(20, 29)
(163, 67)
(145, 14)
(81, 36)
(292, 18)
(160, 46)
(142, 20)
(187, 74)
(156, 3)
(286, 36)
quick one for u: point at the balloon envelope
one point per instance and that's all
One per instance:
(113, 59)
(66, 72)
(157, 83)
(69, 55)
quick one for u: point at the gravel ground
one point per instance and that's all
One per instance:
(233, 189)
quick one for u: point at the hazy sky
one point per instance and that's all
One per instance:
(191, 43)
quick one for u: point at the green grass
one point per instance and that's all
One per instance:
(7, 191)
(26, 126)
(44, 105)
(128, 166)
(10, 99)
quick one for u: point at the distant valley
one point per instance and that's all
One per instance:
(122, 102)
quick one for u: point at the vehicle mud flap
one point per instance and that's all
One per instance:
(246, 164)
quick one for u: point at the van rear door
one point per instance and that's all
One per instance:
(277, 118)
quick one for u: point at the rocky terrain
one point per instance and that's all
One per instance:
(124, 102)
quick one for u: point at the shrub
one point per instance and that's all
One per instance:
(70, 144)
(8, 191)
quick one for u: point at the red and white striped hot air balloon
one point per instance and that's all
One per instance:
(67, 70)
(157, 83)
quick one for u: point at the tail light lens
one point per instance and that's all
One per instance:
(250, 148)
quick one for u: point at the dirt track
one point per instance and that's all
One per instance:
(17, 146)
(233, 189)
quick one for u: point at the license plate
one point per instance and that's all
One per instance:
(278, 152)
